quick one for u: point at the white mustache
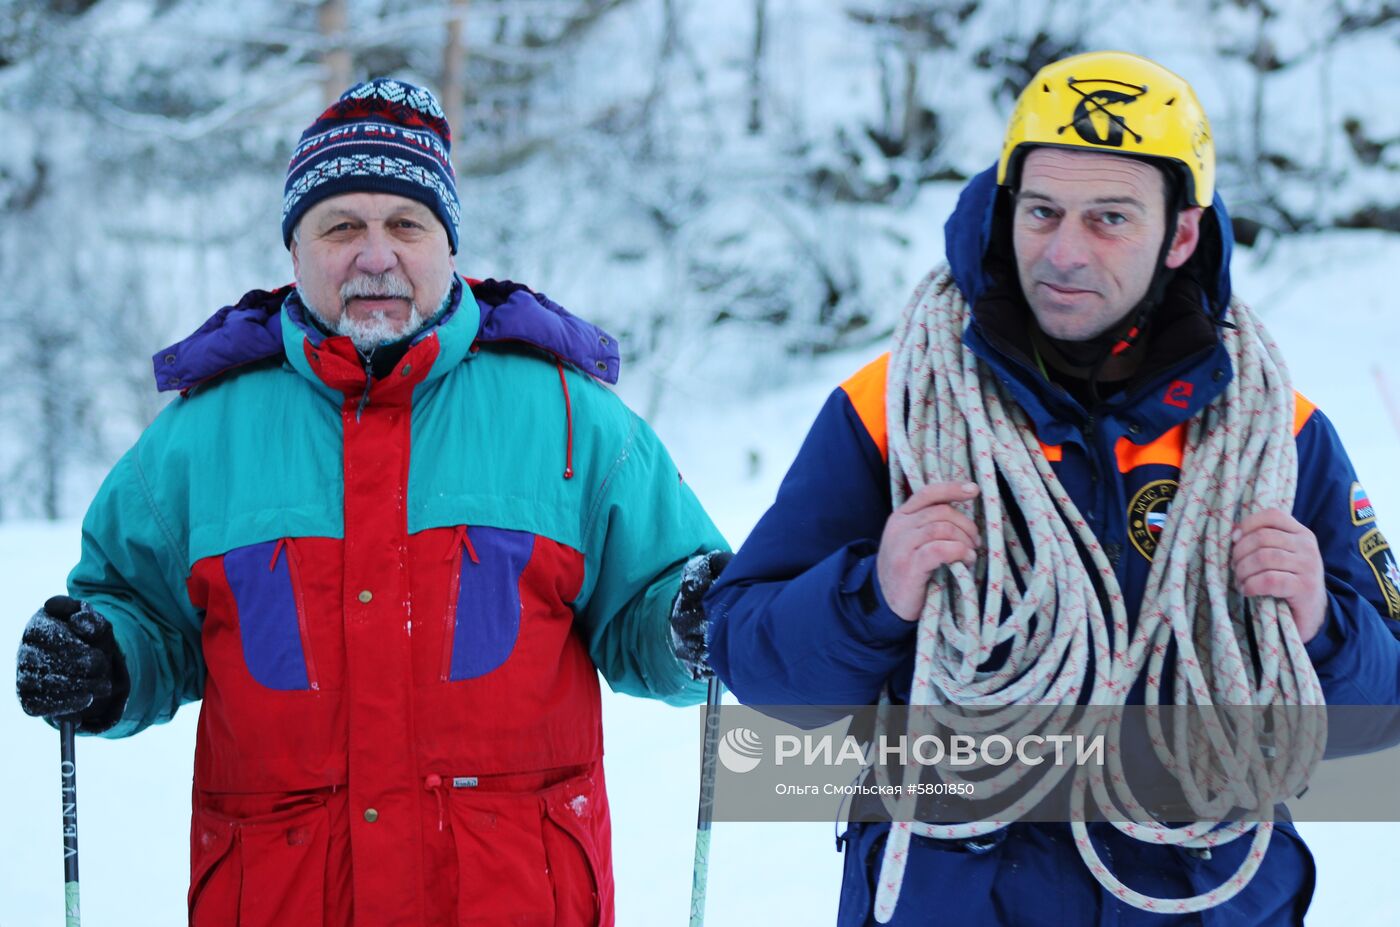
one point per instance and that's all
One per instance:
(375, 286)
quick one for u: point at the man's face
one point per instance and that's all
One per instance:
(374, 266)
(1087, 230)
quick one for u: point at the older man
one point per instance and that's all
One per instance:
(391, 531)
(976, 519)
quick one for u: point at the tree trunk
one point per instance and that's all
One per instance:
(50, 453)
(760, 22)
(910, 104)
(56, 429)
(331, 22)
(453, 83)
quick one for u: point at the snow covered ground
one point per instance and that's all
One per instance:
(1328, 300)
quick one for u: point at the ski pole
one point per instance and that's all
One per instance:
(69, 768)
(700, 871)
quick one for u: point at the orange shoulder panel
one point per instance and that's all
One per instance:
(1170, 448)
(866, 391)
(1302, 411)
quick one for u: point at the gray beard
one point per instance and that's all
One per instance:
(376, 331)
(368, 334)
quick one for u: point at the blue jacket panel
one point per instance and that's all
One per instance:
(796, 618)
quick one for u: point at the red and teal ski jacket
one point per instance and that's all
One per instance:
(394, 596)
(798, 617)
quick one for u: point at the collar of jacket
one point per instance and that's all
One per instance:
(1190, 367)
(270, 324)
(1185, 367)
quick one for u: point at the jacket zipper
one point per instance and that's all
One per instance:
(461, 541)
(294, 576)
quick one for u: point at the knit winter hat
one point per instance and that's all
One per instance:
(382, 136)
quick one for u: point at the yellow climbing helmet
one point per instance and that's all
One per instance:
(1116, 103)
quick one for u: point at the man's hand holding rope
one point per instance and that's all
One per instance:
(1275, 555)
(920, 536)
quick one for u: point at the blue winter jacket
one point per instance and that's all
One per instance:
(798, 617)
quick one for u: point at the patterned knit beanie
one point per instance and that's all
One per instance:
(383, 136)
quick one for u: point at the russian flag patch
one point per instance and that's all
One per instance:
(1362, 512)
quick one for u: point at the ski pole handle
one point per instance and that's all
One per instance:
(69, 769)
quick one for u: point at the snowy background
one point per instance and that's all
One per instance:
(743, 190)
(1325, 298)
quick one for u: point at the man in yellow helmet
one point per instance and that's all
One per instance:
(1086, 308)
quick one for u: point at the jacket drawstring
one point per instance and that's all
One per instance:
(277, 550)
(463, 540)
(434, 784)
(569, 422)
(1126, 341)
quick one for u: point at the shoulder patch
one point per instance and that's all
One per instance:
(1362, 512)
(866, 391)
(1376, 550)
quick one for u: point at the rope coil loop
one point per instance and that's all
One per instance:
(1064, 614)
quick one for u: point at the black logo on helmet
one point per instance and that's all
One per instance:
(1096, 117)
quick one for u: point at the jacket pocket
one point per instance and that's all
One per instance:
(266, 584)
(526, 859)
(571, 845)
(483, 601)
(262, 871)
(953, 878)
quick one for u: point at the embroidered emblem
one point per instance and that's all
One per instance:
(1362, 512)
(1147, 515)
(1376, 550)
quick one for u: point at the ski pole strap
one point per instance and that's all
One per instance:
(69, 769)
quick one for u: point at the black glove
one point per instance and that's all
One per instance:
(69, 667)
(688, 621)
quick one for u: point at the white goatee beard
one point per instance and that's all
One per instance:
(368, 334)
(377, 330)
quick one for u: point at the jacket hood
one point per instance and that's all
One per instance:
(968, 239)
(251, 331)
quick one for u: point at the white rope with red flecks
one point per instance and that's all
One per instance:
(961, 425)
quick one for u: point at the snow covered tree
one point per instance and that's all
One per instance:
(694, 177)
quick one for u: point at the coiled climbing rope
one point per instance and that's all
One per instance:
(959, 424)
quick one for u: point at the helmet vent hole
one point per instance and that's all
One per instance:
(1044, 88)
(1171, 101)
